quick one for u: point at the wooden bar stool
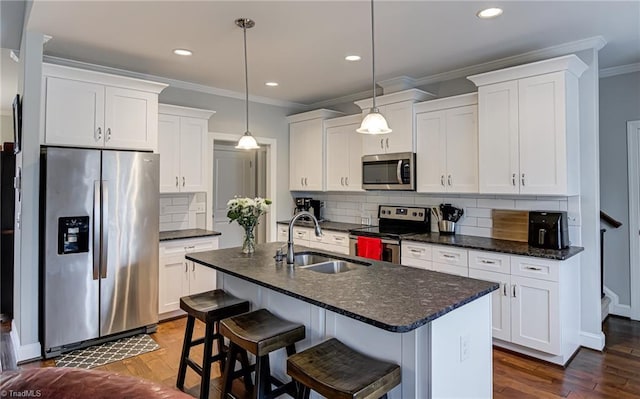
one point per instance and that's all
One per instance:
(209, 307)
(336, 371)
(260, 333)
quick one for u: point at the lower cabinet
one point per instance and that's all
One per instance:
(179, 277)
(331, 240)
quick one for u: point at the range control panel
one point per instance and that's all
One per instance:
(413, 214)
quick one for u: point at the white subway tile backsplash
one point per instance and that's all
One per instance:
(176, 209)
(468, 221)
(496, 203)
(165, 218)
(485, 222)
(180, 217)
(461, 202)
(537, 205)
(180, 200)
(474, 231)
(478, 212)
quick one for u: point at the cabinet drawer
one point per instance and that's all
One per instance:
(451, 269)
(410, 250)
(189, 245)
(419, 263)
(535, 268)
(283, 232)
(490, 261)
(336, 238)
(450, 256)
(330, 247)
(301, 233)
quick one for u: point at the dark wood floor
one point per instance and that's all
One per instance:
(614, 373)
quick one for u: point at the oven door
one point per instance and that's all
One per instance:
(390, 249)
(389, 171)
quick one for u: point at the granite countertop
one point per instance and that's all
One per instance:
(490, 244)
(388, 296)
(189, 233)
(335, 226)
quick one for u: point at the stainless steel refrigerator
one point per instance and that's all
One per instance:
(99, 221)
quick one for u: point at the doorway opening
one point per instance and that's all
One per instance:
(237, 173)
(633, 146)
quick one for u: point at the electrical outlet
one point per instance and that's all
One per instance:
(365, 220)
(464, 347)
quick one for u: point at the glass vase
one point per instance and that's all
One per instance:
(249, 243)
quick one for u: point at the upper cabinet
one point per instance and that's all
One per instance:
(306, 149)
(182, 144)
(91, 109)
(447, 145)
(528, 128)
(344, 154)
(397, 108)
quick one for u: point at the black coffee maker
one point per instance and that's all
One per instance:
(548, 230)
(302, 204)
(309, 205)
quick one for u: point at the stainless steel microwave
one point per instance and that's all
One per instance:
(389, 171)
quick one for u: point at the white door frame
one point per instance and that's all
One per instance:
(633, 148)
(272, 157)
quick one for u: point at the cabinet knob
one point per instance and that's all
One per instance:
(513, 294)
(504, 289)
(302, 181)
(305, 182)
(186, 267)
(177, 184)
(387, 142)
(183, 181)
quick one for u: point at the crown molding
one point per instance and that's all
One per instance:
(180, 84)
(620, 70)
(350, 98)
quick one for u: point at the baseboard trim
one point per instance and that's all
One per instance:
(24, 353)
(592, 341)
(615, 307)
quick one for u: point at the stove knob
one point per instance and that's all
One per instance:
(421, 214)
(415, 214)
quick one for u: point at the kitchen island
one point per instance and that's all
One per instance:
(436, 326)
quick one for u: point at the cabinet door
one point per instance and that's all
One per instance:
(535, 316)
(174, 282)
(131, 119)
(500, 302)
(312, 151)
(283, 232)
(451, 269)
(74, 113)
(297, 152)
(462, 149)
(543, 150)
(498, 138)
(338, 158)
(201, 278)
(431, 147)
(353, 180)
(193, 152)
(168, 143)
(373, 144)
(400, 119)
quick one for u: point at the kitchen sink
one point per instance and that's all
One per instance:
(327, 264)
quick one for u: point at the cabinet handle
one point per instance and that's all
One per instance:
(193, 267)
(449, 179)
(448, 256)
(442, 180)
(415, 251)
(186, 267)
(382, 144)
(177, 184)
(108, 134)
(302, 181)
(342, 181)
(504, 289)
(338, 238)
(99, 137)
(189, 247)
(387, 142)
(183, 181)
(523, 179)
(533, 268)
(513, 294)
(513, 179)
(346, 181)
(305, 182)
(487, 262)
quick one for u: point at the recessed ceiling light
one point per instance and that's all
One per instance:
(352, 58)
(489, 12)
(271, 84)
(182, 51)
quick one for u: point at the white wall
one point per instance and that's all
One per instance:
(619, 103)
(6, 128)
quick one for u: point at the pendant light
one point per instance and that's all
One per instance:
(247, 141)
(374, 122)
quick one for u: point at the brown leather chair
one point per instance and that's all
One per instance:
(74, 383)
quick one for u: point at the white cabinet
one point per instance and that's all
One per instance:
(397, 108)
(528, 128)
(306, 150)
(416, 255)
(536, 310)
(179, 277)
(447, 145)
(344, 154)
(445, 259)
(182, 144)
(330, 240)
(91, 109)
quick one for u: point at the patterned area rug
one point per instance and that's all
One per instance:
(108, 352)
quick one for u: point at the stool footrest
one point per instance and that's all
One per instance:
(195, 366)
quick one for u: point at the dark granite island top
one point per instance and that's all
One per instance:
(189, 233)
(490, 244)
(387, 296)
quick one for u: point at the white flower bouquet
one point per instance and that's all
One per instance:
(246, 212)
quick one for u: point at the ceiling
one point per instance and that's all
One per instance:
(302, 44)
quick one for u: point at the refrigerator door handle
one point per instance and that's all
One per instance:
(97, 230)
(105, 229)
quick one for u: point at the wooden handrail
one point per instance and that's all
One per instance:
(609, 220)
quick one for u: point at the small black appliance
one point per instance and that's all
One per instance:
(548, 230)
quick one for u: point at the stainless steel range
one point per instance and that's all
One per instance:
(394, 223)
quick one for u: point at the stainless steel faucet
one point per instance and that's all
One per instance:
(318, 232)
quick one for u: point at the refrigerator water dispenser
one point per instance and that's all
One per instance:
(73, 235)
